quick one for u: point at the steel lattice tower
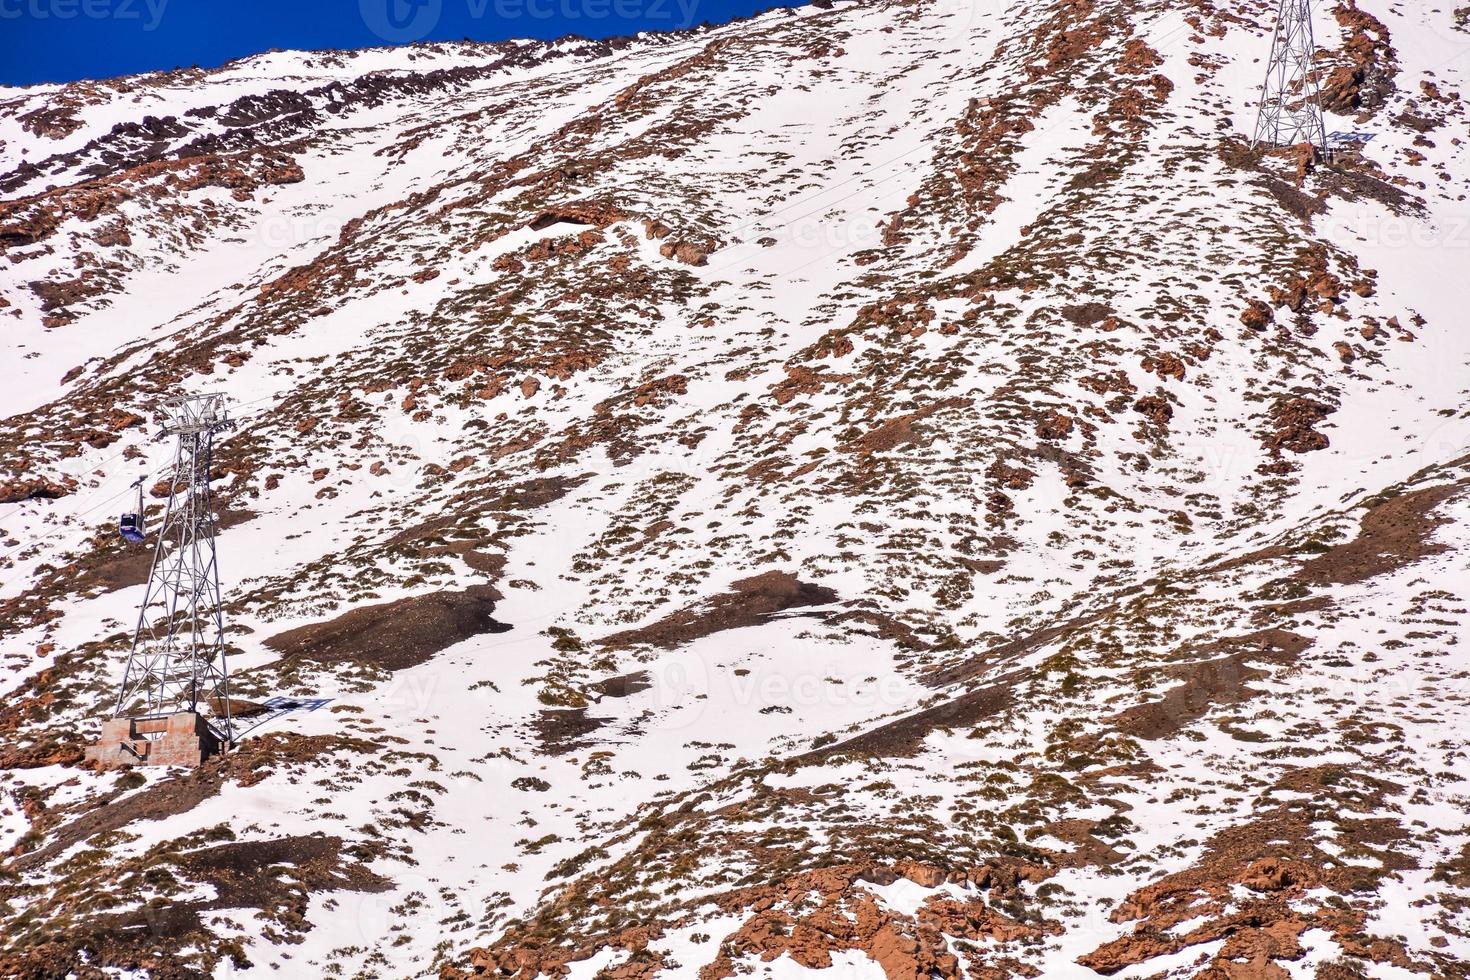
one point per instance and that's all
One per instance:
(177, 662)
(1290, 110)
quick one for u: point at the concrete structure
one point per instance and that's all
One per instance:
(181, 739)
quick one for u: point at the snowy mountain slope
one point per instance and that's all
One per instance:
(891, 486)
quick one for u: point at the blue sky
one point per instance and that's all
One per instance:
(62, 40)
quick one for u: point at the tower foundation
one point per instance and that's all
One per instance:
(180, 739)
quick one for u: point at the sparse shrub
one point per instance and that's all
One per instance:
(527, 784)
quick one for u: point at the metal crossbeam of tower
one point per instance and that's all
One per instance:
(1290, 110)
(177, 662)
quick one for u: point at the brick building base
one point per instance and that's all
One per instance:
(182, 739)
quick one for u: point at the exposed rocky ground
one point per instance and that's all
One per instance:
(894, 488)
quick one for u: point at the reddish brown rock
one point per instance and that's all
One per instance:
(36, 488)
(1364, 80)
(1291, 296)
(1165, 365)
(1155, 408)
(685, 252)
(1089, 314)
(58, 294)
(598, 214)
(902, 431)
(1010, 477)
(1054, 425)
(1257, 315)
(32, 219)
(1136, 947)
(1304, 158)
(115, 233)
(119, 419)
(51, 121)
(801, 380)
(1295, 420)
(566, 247)
(927, 875)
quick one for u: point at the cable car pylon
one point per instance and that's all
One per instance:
(173, 705)
(1290, 110)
